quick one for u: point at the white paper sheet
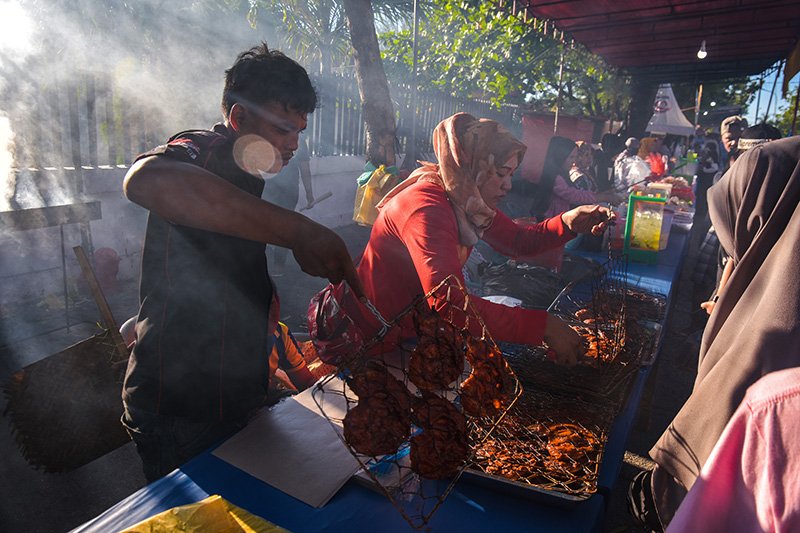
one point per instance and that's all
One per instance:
(295, 449)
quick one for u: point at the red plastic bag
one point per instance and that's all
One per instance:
(332, 315)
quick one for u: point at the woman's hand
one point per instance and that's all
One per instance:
(566, 344)
(708, 306)
(592, 219)
(321, 252)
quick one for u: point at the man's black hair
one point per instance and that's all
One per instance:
(762, 131)
(758, 134)
(260, 76)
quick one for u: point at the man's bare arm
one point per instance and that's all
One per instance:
(191, 196)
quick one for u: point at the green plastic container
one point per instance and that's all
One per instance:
(643, 228)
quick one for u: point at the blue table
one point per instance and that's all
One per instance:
(355, 508)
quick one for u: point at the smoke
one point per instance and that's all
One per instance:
(16, 30)
(162, 62)
(166, 55)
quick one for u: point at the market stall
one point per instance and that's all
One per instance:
(471, 504)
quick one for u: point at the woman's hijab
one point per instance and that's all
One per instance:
(558, 150)
(466, 148)
(755, 326)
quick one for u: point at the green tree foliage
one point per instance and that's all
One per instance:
(784, 118)
(735, 92)
(315, 31)
(480, 50)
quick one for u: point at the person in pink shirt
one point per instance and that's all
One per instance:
(428, 224)
(751, 481)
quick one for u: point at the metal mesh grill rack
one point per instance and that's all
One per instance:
(549, 443)
(416, 497)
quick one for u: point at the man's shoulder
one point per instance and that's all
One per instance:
(199, 140)
(192, 146)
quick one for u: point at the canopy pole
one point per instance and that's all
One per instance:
(772, 92)
(758, 99)
(794, 117)
(410, 159)
(560, 80)
(697, 105)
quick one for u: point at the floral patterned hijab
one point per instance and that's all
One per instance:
(466, 148)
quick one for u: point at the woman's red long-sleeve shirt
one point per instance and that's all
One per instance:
(414, 246)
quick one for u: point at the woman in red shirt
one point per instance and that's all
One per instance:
(428, 224)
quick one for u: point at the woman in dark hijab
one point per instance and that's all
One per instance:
(754, 328)
(558, 160)
(556, 193)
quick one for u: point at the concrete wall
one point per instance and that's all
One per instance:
(31, 261)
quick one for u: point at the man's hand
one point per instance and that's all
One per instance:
(592, 219)
(566, 344)
(321, 252)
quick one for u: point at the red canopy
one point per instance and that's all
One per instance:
(660, 38)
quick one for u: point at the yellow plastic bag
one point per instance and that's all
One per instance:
(370, 193)
(212, 514)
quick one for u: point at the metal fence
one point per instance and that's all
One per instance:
(85, 122)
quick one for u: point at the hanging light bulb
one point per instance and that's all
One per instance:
(701, 54)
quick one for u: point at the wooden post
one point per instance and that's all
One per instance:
(111, 123)
(100, 300)
(64, 276)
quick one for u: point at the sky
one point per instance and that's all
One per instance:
(775, 78)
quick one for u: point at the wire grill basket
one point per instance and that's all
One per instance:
(551, 443)
(547, 442)
(411, 413)
(617, 326)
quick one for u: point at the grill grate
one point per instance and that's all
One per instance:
(573, 407)
(395, 474)
(548, 442)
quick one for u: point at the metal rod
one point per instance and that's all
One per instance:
(794, 116)
(758, 98)
(412, 149)
(697, 105)
(560, 80)
(772, 92)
